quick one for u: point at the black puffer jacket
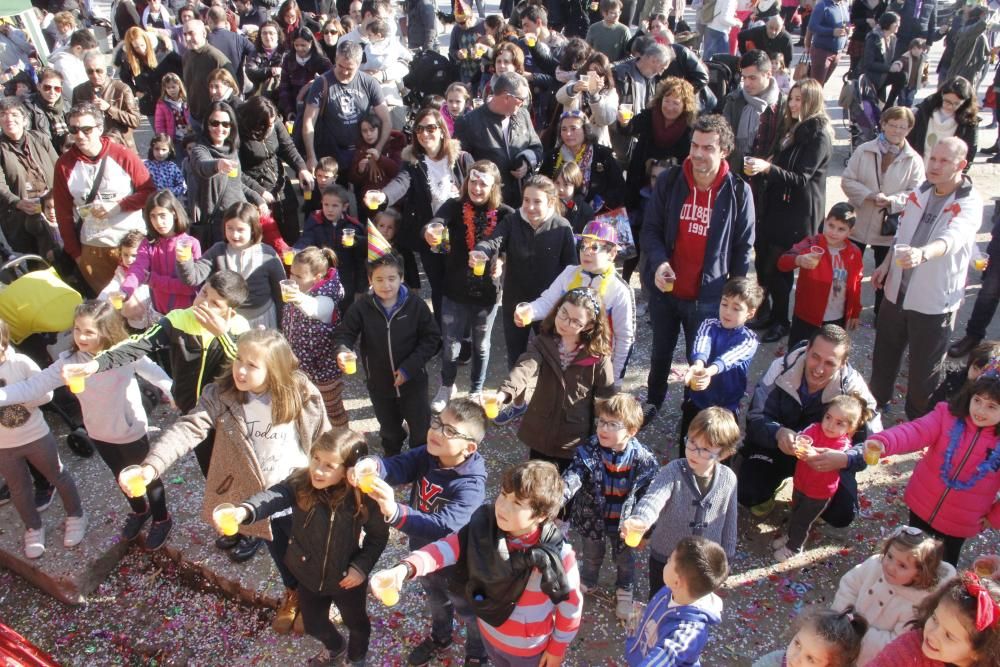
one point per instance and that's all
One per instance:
(606, 180)
(262, 160)
(794, 201)
(324, 544)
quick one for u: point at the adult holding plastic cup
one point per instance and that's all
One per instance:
(925, 280)
(698, 257)
(469, 299)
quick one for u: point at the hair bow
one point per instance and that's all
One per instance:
(987, 610)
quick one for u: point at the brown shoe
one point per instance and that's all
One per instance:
(285, 618)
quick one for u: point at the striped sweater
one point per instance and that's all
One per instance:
(537, 625)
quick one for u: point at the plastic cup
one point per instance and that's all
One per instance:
(531, 39)
(117, 299)
(480, 50)
(307, 195)
(347, 237)
(634, 618)
(522, 312)
(372, 199)
(594, 6)
(84, 211)
(987, 566)
(803, 443)
(386, 591)
(980, 261)
(479, 262)
(747, 165)
(135, 483)
(183, 250)
(873, 453)
(633, 533)
(437, 233)
(898, 251)
(288, 257)
(289, 288)
(365, 472)
(289, 125)
(224, 516)
(626, 112)
(491, 405)
(350, 363)
(817, 250)
(234, 173)
(696, 375)
(77, 383)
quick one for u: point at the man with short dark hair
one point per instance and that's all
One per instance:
(47, 107)
(69, 61)
(755, 110)
(501, 131)
(924, 278)
(696, 236)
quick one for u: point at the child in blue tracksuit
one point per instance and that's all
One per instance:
(449, 483)
(674, 628)
(721, 355)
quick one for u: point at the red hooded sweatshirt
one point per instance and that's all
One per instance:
(692, 233)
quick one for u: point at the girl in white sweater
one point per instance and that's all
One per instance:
(888, 587)
(25, 438)
(112, 409)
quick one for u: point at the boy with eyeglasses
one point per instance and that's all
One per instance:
(608, 476)
(693, 495)
(448, 477)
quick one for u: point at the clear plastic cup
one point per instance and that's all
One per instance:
(224, 516)
(117, 300)
(634, 530)
(365, 472)
(384, 588)
(634, 618)
(288, 257)
(817, 250)
(980, 261)
(480, 50)
(803, 443)
(987, 566)
(373, 199)
(748, 165)
(289, 288)
(307, 194)
(436, 230)
(347, 237)
(478, 262)
(77, 383)
(289, 125)
(522, 312)
(873, 453)
(350, 363)
(491, 404)
(530, 39)
(135, 484)
(183, 249)
(626, 111)
(898, 251)
(234, 173)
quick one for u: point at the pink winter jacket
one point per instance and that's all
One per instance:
(953, 512)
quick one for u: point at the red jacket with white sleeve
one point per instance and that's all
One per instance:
(125, 182)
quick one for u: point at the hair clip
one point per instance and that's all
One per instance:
(483, 177)
(588, 294)
(912, 531)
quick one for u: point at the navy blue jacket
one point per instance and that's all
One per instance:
(730, 230)
(732, 351)
(442, 500)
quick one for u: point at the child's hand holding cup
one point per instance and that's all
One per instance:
(133, 480)
(183, 249)
(386, 584)
(373, 199)
(633, 530)
(873, 452)
(289, 291)
(811, 259)
(227, 518)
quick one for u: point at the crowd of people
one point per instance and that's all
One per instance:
(308, 207)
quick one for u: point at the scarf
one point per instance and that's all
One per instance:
(939, 126)
(492, 577)
(885, 147)
(667, 134)
(302, 61)
(606, 278)
(749, 121)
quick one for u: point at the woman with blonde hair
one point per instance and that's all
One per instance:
(793, 201)
(141, 66)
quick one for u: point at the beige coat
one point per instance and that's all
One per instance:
(234, 473)
(862, 178)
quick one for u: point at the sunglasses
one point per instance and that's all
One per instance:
(330, 32)
(91, 70)
(85, 129)
(57, 89)
(220, 123)
(594, 246)
(430, 129)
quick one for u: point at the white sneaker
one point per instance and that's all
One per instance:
(779, 542)
(623, 610)
(784, 553)
(445, 394)
(34, 542)
(76, 528)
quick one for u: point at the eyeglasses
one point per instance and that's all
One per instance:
(702, 452)
(448, 430)
(572, 321)
(429, 129)
(330, 32)
(518, 98)
(91, 70)
(220, 123)
(611, 426)
(594, 246)
(77, 129)
(898, 128)
(57, 89)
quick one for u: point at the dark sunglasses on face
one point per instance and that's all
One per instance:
(425, 128)
(91, 70)
(77, 129)
(220, 123)
(57, 89)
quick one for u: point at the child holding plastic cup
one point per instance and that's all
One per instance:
(112, 409)
(828, 289)
(813, 489)
(692, 490)
(130, 296)
(597, 517)
(329, 517)
(332, 227)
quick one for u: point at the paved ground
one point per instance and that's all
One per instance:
(152, 610)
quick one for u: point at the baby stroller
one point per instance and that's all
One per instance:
(862, 110)
(37, 305)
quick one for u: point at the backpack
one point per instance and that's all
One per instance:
(723, 78)
(430, 73)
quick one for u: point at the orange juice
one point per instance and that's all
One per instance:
(365, 471)
(491, 405)
(77, 383)
(872, 453)
(234, 173)
(116, 299)
(347, 238)
(224, 516)
(288, 257)
(633, 533)
(183, 250)
(135, 484)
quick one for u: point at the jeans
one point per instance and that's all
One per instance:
(669, 315)
(43, 455)
(444, 606)
(351, 602)
(118, 457)
(880, 252)
(514, 337)
(434, 267)
(593, 556)
(713, 42)
(805, 511)
(989, 293)
(281, 530)
(456, 320)
(413, 406)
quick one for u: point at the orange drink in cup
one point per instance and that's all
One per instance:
(289, 125)
(530, 39)
(365, 472)
(748, 165)
(133, 481)
(480, 50)
(234, 173)
(987, 566)
(347, 237)
(626, 112)
(873, 452)
(288, 257)
(491, 404)
(478, 262)
(77, 383)
(384, 588)
(307, 195)
(117, 299)
(522, 314)
(289, 289)
(898, 251)
(634, 530)
(350, 363)
(372, 199)
(803, 443)
(183, 249)
(980, 261)
(436, 230)
(224, 516)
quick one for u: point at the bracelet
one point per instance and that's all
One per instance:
(411, 570)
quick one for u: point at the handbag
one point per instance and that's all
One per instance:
(802, 67)
(890, 221)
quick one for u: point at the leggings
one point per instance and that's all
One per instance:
(132, 453)
(43, 455)
(332, 394)
(952, 545)
(315, 610)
